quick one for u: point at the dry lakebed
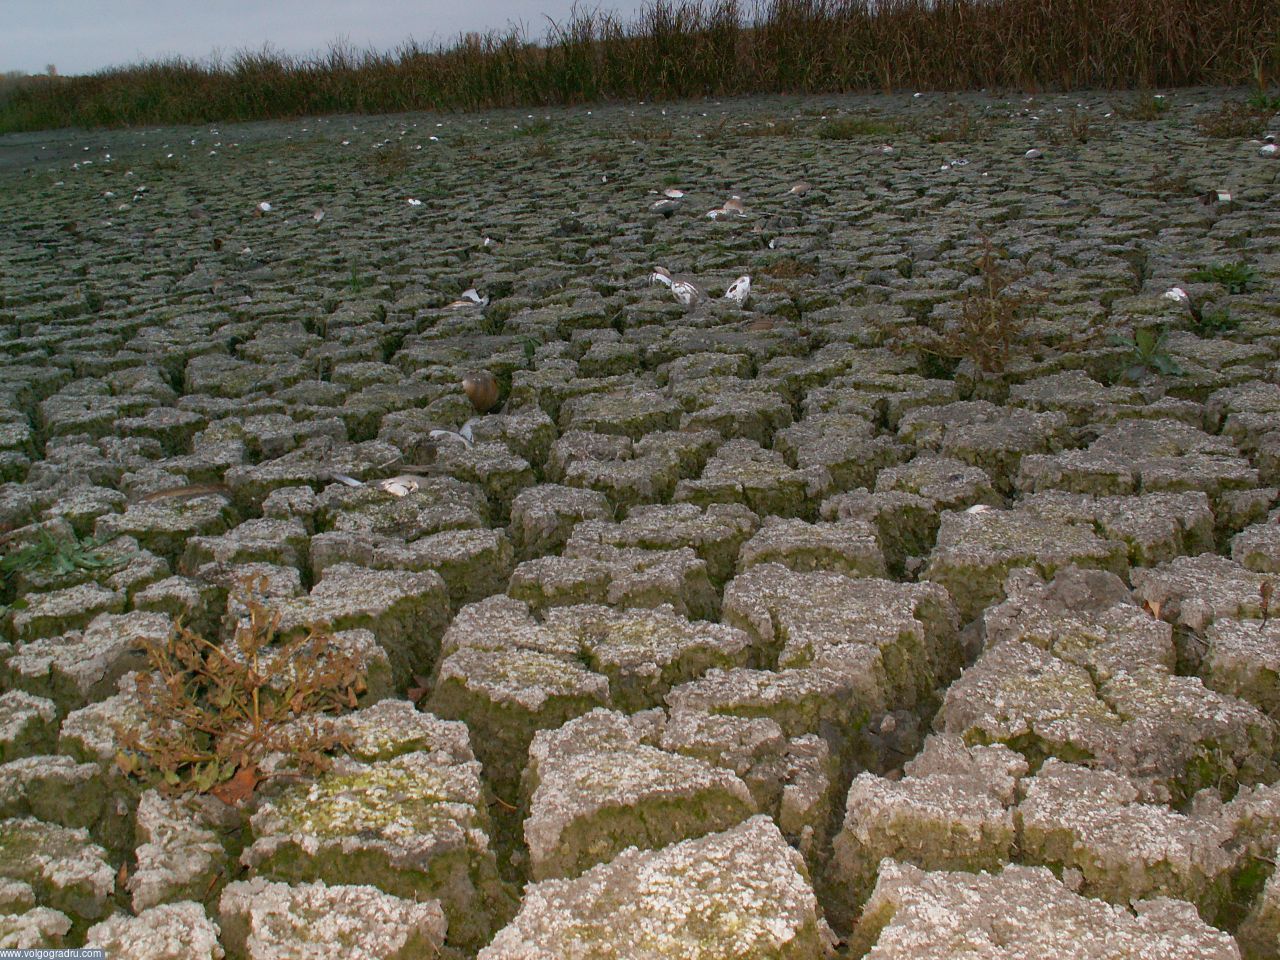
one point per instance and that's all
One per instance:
(914, 603)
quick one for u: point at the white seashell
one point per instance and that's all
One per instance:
(664, 206)
(318, 216)
(1270, 150)
(978, 508)
(800, 189)
(1033, 154)
(264, 207)
(466, 431)
(414, 203)
(660, 275)
(887, 149)
(739, 290)
(349, 481)
(685, 292)
(469, 298)
(1176, 294)
(671, 193)
(399, 486)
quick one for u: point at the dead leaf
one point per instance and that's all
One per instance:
(417, 693)
(122, 876)
(1152, 607)
(239, 788)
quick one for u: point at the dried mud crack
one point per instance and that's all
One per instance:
(913, 598)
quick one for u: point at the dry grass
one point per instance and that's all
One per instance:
(1234, 120)
(787, 268)
(695, 48)
(956, 124)
(388, 163)
(853, 128)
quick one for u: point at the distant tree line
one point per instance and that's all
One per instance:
(694, 48)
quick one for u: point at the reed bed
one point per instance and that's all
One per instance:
(677, 49)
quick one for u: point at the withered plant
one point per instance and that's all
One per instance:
(1234, 120)
(213, 713)
(388, 163)
(989, 329)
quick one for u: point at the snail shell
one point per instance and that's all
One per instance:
(482, 390)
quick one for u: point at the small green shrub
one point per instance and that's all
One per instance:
(1147, 354)
(538, 129)
(1238, 277)
(1144, 106)
(49, 554)
(956, 124)
(356, 281)
(1260, 101)
(769, 128)
(1212, 322)
(851, 128)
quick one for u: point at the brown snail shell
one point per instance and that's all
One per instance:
(482, 390)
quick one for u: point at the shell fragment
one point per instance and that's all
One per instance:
(399, 486)
(739, 290)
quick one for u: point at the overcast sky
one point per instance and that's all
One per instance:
(81, 36)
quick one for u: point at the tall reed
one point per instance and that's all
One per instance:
(691, 48)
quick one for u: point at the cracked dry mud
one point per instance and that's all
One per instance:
(733, 632)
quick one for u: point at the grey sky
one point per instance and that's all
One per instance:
(81, 36)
